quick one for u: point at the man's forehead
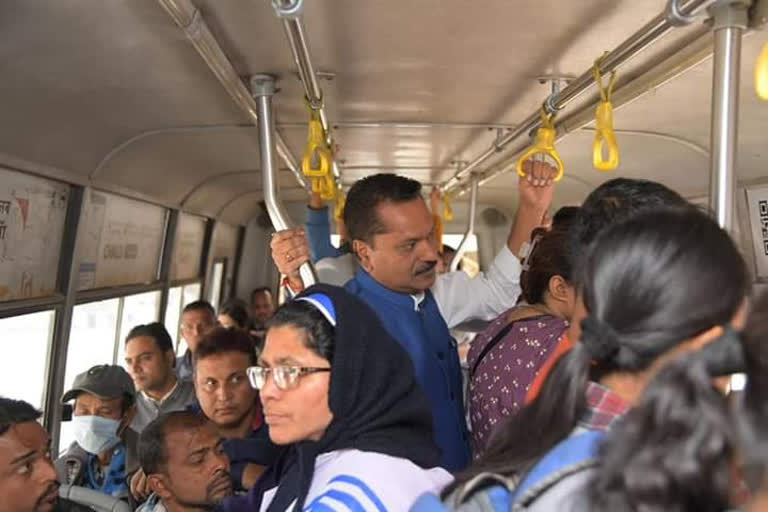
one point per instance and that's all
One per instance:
(410, 218)
(223, 365)
(22, 438)
(198, 314)
(185, 439)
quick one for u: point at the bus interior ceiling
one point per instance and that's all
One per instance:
(111, 94)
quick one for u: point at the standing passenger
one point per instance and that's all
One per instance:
(150, 361)
(654, 287)
(231, 404)
(392, 233)
(339, 389)
(234, 313)
(262, 309)
(196, 319)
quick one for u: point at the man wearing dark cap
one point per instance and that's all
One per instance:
(103, 455)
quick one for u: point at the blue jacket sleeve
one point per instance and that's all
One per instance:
(318, 230)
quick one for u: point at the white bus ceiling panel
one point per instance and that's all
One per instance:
(32, 216)
(122, 242)
(82, 76)
(432, 60)
(187, 247)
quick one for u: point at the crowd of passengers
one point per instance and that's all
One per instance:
(600, 381)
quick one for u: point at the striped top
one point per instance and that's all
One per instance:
(357, 481)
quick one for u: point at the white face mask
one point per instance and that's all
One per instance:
(95, 434)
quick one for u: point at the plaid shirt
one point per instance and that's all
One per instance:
(604, 408)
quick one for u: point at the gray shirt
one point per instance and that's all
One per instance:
(147, 409)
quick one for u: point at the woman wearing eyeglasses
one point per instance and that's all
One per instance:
(339, 389)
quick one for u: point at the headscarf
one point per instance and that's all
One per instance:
(376, 402)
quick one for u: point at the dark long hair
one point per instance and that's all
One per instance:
(649, 282)
(673, 451)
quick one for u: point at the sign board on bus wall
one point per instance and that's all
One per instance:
(122, 242)
(757, 204)
(32, 215)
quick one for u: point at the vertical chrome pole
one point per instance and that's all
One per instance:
(263, 88)
(730, 20)
(470, 225)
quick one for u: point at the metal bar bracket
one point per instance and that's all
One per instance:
(288, 9)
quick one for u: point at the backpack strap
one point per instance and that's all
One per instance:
(495, 341)
(570, 456)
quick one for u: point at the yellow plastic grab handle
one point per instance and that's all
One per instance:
(761, 74)
(604, 135)
(447, 210)
(543, 143)
(327, 189)
(316, 148)
(338, 208)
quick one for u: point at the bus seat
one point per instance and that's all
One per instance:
(96, 500)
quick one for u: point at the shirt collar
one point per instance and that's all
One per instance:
(164, 398)
(604, 408)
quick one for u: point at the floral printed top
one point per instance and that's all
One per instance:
(498, 386)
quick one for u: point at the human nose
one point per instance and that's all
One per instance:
(46, 471)
(269, 390)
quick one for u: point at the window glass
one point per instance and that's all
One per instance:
(91, 342)
(173, 313)
(122, 242)
(137, 309)
(469, 262)
(32, 215)
(187, 247)
(23, 372)
(217, 281)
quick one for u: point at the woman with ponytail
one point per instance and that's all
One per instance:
(655, 286)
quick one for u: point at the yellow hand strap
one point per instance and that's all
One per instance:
(338, 208)
(543, 143)
(447, 210)
(316, 152)
(761, 74)
(604, 134)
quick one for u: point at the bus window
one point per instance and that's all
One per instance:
(22, 372)
(138, 309)
(91, 342)
(217, 283)
(173, 313)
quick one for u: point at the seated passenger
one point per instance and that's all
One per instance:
(27, 478)
(504, 359)
(184, 459)
(150, 361)
(197, 318)
(231, 404)
(234, 313)
(338, 388)
(611, 202)
(392, 234)
(103, 456)
(262, 309)
(656, 286)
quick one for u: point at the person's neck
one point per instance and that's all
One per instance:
(240, 430)
(162, 391)
(105, 457)
(628, 386)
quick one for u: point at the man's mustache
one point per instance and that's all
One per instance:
(426, 267)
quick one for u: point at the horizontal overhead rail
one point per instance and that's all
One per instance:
(189, 19)
(290, 12)
(639, 41)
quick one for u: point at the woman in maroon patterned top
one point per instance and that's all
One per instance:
(504, 359)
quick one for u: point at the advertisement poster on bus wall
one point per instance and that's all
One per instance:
(122, 242)
(757, 204)
(32, 215)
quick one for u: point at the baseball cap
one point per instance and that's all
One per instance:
(104, 381)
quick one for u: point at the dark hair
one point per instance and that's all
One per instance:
(153, 449)
(14, 412)
(564, 217)
(221, 340)
(319, 333)
(237, 310)
(260, 289)
(649, 283)
(199, 305)
(156, 331)
(672, 451)
(448, 248)
(546, 260)
(754, 408)
(612, 202)
(363, 199)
